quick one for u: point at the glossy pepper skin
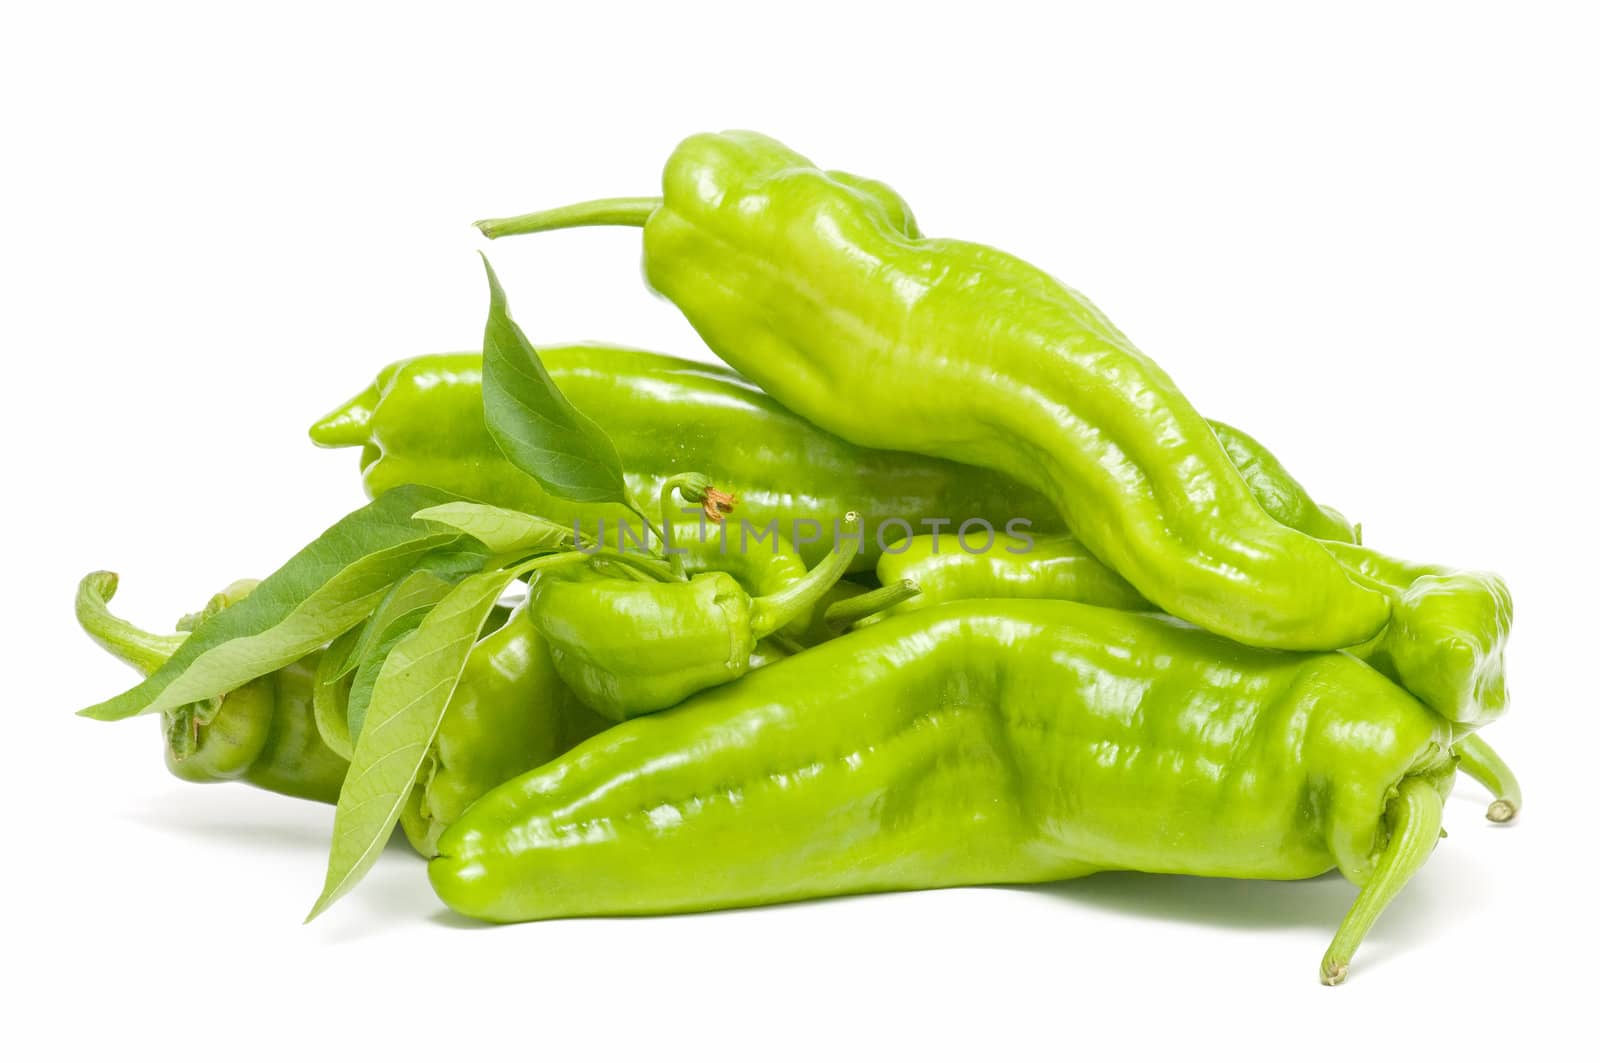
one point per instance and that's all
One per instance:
(1016, 741)
(625, 648)
(1047, 567)
(820, 288)
(421, 422)
(760, 569)
(1446, 644)
(1447, 640)
(1283, 497)
(947, 569)
(509, 713)
(263, 733)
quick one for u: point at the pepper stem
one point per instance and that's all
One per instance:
(132, 645)
(840, 615)
(696, 488)
(773, 611)
(1416, 814)
(1482, 763)
(623, 211)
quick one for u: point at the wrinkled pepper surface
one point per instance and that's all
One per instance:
(1458, 670)
(818, 285)
(1446, 643)
(1000, 741)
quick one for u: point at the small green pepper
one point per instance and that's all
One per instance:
(626, 648)
(283, 731)
(263, 733)
(978, 742)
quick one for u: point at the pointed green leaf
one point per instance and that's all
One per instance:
(538, 430)
(329, 694)
(371, 664)
(413, 688)
(503, 531)
(323, 591)
(421, 588)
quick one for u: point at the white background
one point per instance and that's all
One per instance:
(1369, 237)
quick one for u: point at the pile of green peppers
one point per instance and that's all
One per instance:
(1014, 611)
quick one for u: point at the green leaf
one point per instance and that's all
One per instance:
(371, 664)
(413, 689)
(503, 531)
(422, 587)
(534, 425)
(320, 593)
(329, 696)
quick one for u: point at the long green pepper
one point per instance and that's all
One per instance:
(980, 742)
(421, 422)
(818, 285)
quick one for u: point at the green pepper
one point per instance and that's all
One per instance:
(820, 288)
(509, 712)
(626, 648)
(422, 422)
(284, 731)
(988, 742)
(262, 733)
(1051, 567)
(1279, 493)
(1446, 643)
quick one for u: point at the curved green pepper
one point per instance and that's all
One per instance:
(823, 292)
(263, 733)
(422, 422)
(1015, 741)
(625, 648)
